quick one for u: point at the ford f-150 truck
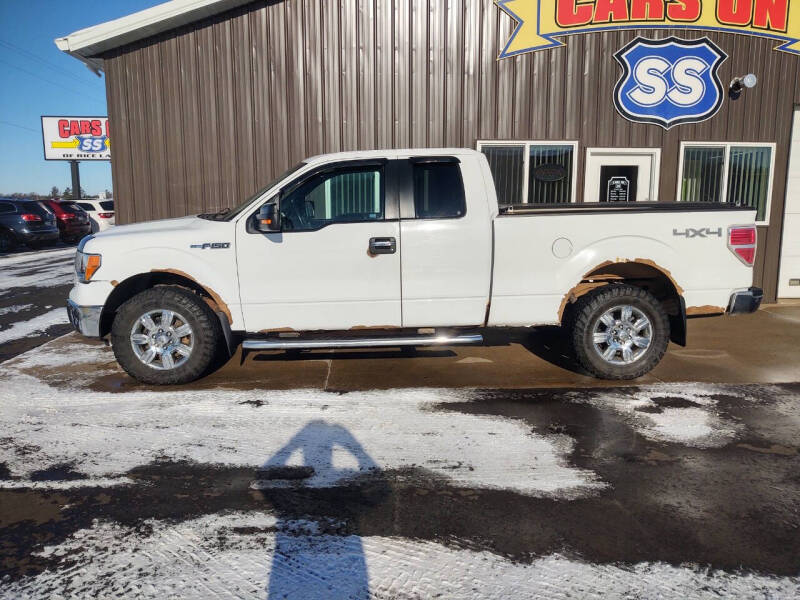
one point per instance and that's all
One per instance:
(408, 248)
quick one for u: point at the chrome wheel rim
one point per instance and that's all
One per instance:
(162, 339)
(622, 335)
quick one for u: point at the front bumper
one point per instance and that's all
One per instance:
(745, 301)
(85, 319)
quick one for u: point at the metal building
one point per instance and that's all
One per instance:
(210, 99)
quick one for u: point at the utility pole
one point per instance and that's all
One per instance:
(76, 179)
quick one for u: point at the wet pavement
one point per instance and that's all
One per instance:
(684, 490)
(496, 471)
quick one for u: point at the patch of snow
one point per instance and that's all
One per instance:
(22, 329)
(255, 555)
(15, 308)
(105, 434)
(36, 256)
(698, 425)
(76, 353)
(47, 277)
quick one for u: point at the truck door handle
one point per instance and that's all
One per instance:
(382, 245)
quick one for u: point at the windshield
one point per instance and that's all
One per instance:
(227, 214)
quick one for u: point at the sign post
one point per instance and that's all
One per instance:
(75, 139)
(76, 179)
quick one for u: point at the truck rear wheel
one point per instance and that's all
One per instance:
(165, 335)
(619, 332)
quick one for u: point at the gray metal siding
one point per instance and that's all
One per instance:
(204, 115)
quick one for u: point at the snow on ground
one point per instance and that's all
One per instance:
(14, 308)
(38, 324)
(694, 422)
(36, 269)
(105, 434)
(255, 555)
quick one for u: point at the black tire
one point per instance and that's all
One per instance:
(7, 241)
(205, 327)
(587, 316)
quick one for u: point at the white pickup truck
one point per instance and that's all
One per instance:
(408, 248)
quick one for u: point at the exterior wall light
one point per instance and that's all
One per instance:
(739, 83)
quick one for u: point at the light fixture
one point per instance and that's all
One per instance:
(739, 83)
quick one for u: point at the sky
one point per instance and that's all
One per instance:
(38, 79)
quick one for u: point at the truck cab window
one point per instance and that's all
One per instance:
(350, 195)
(438, 191)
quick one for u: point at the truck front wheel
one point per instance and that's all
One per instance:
(619, 332)
(165, 335)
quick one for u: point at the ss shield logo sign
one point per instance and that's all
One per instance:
(669, 81)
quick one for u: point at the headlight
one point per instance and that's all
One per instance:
(86, 265)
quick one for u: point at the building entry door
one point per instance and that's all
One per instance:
(621, 175)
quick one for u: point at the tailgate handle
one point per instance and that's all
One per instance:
(382, 245)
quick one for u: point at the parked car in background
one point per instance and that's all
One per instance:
(73, 222)
(26, 222)
(101, 213)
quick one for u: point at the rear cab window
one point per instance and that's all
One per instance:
(438, 190)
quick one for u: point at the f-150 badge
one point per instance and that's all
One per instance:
(669, 81)
(212, 245)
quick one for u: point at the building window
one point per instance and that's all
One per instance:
(737, 173)
(532, 172)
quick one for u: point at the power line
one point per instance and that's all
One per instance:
(19, 126)
(52, 66)
(59, 85)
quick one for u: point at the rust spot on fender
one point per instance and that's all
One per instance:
(591, 281)
(667, 274)
(706, 309)
(215, 302)
(579, 290)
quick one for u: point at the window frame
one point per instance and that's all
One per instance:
(526, 160)
(412, 200)
(726, 146)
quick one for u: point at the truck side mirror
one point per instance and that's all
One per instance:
(268, 218)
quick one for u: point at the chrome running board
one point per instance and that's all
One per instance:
(389, 342)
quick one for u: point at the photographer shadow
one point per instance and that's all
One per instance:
(318, 552)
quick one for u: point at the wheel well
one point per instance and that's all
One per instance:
(127, 289)
(642, 274)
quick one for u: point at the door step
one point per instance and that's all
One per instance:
(386, 342)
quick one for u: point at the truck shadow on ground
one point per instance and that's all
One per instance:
(730, 508)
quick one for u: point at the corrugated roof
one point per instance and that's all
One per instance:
(87, 44)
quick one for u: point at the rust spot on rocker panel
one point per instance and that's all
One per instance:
(692, 311)
(215, 302)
